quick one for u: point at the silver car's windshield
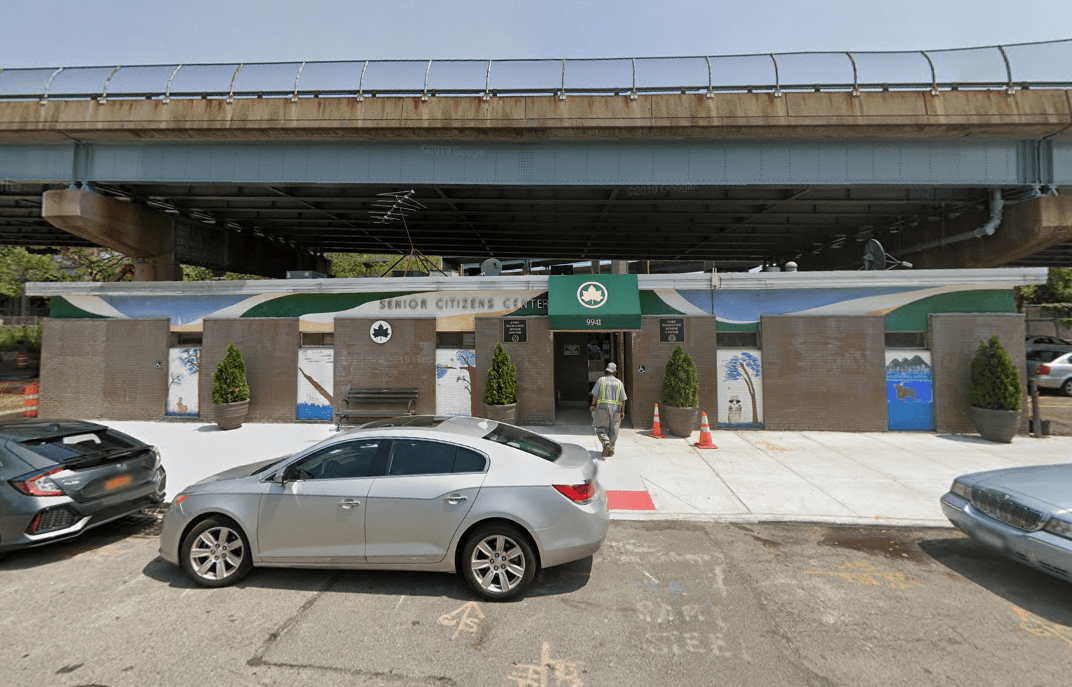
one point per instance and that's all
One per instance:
(525, 441)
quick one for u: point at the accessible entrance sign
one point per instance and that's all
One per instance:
(593, 302)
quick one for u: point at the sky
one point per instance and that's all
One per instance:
(53, 33)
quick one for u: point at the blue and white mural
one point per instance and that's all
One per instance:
(454, 382)
(184, 370)
(316, 379)
(909, 390)
(740, 388)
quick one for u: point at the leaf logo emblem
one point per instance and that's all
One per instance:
(592, 294)
(380, 331)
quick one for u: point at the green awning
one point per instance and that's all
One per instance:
(592, 302)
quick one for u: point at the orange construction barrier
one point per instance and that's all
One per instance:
(656, 427)
(705, 435)
(29, 399)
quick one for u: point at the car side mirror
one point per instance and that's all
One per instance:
(283, 476)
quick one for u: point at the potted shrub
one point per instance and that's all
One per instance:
(500, 393)
(996, 394)
(679, 407)
(230, 390)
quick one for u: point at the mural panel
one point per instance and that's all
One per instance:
(184, 365)
(454, 382)
(740, 388)
(909, 390)
(316, 377)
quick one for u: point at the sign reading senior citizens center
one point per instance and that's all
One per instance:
(588, 302)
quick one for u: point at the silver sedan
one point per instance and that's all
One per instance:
(490, 500)
(1023, 513)
(1052, 369)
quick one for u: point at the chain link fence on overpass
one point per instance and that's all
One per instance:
(1006, 67)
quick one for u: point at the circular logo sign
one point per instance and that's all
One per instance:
(380, 332)
(592, 294)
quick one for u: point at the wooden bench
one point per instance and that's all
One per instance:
(356, 398)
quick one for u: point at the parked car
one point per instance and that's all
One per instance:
(1051, 342)
(1022, 513)
(1052, 369)
(489, 500)
(67, 476)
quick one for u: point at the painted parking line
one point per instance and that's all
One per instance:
(629, 500)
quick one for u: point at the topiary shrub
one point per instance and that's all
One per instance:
(681, 386)
(501, 388)
(229, 383)
(994, 378)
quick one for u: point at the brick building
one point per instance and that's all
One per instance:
(793, 350)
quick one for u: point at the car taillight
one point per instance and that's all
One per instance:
(578, 493)
(1044, 369)
(40, 484)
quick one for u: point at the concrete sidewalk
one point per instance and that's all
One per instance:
(893, 478)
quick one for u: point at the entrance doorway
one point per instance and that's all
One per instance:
(580, 360)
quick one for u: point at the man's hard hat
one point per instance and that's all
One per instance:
(611, 367)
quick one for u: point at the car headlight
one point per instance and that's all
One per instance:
(961, 490)
(1059, 527)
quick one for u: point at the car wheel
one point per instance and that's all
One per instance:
(216, 553)
(1066, 388)
(497, 562)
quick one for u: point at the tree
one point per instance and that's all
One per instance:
(229, 384)
(501, 388)
(1054, 296)
(349, 265)
(681, 386)
(744, 366)
(994, 378)
(18, 266)
(93, 264)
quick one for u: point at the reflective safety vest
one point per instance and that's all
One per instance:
(610, 391)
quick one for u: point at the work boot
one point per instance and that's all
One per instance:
(607, 450)
(611, 449)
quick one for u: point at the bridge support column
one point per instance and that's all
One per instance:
(160, 243)
(1026, 228)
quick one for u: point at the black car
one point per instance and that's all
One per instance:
(64, 477)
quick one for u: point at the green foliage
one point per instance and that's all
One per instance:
(1055, 296)
(349, 265)
(18, 266)
(195, 273)
(995, 380)
(24, 336)
(93, 264)
(229, 383)
(681, 386)
(502, 379)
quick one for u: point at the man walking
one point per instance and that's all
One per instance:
(608, 408)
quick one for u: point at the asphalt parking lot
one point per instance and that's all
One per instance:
(662, 603)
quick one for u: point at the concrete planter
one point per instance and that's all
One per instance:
(679, 421)
(995, 425)
(504, 413)
(231, 415)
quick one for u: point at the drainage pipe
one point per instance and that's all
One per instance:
(997, 206)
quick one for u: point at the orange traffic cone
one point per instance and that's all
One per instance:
(656, 427)
(29, 402)
(705, 435)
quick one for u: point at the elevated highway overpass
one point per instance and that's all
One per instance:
(241, 176)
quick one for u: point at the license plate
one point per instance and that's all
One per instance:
(118, 482)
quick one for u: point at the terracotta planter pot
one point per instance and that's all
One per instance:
(231, 415)
(506, 413)
(679, 421)
(995, 425)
